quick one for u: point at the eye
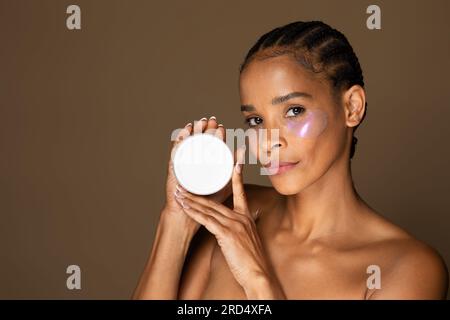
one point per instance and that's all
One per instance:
(295, 111)
(253, 121)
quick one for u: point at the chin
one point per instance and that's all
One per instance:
(287, 183)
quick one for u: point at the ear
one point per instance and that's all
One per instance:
(355, 105)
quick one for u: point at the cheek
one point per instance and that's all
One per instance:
(321, 151)
(316, 140)
(309, 125)
(307, 131)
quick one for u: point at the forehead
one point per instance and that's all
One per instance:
(264, 79)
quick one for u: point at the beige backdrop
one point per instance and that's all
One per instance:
(85, 118)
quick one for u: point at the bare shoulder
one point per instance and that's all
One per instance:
(411, 269)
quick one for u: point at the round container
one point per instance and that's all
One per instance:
(203, 164)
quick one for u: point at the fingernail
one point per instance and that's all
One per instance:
(178, 194)
(180, 188)
(181, 202)
(189, 124)
(203, 119)
(220, 125)
(178, 200)
(212, 118)
(238, 167)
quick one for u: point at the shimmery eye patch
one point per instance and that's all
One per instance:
(310, 124)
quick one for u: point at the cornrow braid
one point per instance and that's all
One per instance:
(319, 48)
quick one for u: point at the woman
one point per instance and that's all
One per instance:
(310, 236)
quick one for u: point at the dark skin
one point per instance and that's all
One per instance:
(313, 236)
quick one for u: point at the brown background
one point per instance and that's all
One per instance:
(85, 118)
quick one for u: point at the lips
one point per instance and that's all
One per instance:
(281, 167)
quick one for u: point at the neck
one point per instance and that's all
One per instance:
(326, 207)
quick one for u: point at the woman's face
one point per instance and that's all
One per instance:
(312, 128)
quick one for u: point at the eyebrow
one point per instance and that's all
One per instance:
(278, 100)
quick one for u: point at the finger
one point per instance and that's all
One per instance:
(208, 203)
(235, 152)
(182, 134)
(211, 125)
(200, 125)
(220, 132)
(208, 221)
(239, 197)
(185, 132)
(225, 219)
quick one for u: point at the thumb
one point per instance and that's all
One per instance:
(239, 197)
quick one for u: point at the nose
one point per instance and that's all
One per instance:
(270, 141)
(270, 146)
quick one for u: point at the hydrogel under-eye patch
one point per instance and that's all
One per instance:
(310, 124)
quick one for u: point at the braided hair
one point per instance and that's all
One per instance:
(317, 47)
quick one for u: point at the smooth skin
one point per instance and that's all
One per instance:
(309, 236)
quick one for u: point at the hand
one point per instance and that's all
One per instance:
(172, 210)
(237, 236)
